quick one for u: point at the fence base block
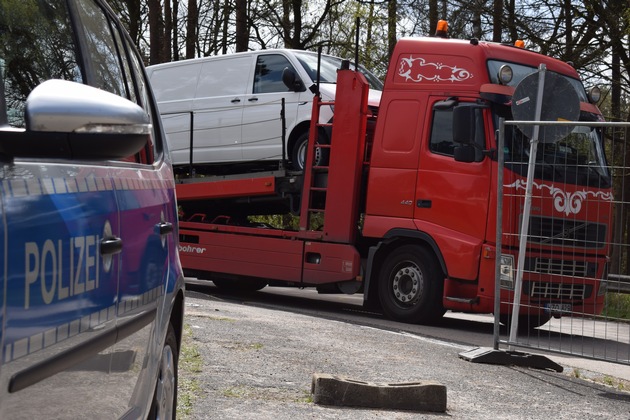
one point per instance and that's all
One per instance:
(509, 358)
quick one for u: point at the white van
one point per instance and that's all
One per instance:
(233, 105)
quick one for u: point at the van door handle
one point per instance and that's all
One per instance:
(165, 228)
(111, 245)
(236, 100)
(254, 99)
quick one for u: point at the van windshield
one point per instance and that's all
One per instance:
(328, 69)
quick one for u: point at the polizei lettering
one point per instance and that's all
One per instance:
(61, 269)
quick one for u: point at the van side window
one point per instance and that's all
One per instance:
(36, 44)
(442, 133)
(268, 77)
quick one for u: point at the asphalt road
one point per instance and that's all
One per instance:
(598, 340)
(258, 353)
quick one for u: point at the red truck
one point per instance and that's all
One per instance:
(403, 208)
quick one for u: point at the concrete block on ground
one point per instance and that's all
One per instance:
(414, 396)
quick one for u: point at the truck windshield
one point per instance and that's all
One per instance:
(520, 71)
(577, 159)
(328, 69)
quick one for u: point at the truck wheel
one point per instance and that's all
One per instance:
(410, 287)
(164, 404)
(250, 285)
(298, 155)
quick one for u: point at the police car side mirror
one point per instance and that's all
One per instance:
(68, 120)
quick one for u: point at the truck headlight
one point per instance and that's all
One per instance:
(506, 271)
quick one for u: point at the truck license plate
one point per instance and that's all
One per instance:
(556, 308)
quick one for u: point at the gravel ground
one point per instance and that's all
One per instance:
(257, 363)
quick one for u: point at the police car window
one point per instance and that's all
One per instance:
(36, 44)
(144, 100)
(268, 78)
(115, 67)
(126, 66)
(104, 59)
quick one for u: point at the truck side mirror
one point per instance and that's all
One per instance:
(465, 153)
(292, 80)
(464, 124)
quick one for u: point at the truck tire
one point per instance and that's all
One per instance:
(164, 404)
(410, 287)
(249, 285)
(298, 153)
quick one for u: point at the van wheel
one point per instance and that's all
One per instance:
(298, 154)
(164, 404)
(410, 287)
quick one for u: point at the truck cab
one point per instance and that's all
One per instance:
(446, 191)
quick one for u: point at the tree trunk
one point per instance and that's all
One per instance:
(433, 16)
(296, 39)
(568, 27)
(191, 28)
(511, 21)
(135, 16)
(497, 21)
(168, 30)
(175, 21)
(286, 23)
(225, 32)
(392, 9)
(156, 31)
(242, 30)
(476, 18)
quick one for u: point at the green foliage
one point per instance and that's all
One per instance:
(617, 306)
(190, 364)
(278, 221)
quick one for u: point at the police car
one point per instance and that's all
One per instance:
(91, 285)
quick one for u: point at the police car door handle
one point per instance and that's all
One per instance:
(111, 245)
(165, 228)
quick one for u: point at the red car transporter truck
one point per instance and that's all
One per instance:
(403, 212)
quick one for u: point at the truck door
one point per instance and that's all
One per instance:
(262, 126)
(452, 197)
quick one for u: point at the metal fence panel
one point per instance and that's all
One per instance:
(573, 254)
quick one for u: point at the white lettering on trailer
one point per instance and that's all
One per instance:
(192, 249)
(44, 264)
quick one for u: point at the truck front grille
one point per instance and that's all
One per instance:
(566, 232)
(557, 291)
(569, 268)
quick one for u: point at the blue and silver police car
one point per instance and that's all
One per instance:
(91, 286)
